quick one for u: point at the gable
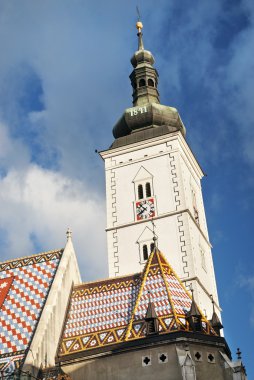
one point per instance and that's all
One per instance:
(146, 235)
(142, 175)
(24, 286)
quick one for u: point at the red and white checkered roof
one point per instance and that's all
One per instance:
(24, 286)
(113, 311)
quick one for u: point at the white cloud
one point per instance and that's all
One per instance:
(42, 203)
(13, 153)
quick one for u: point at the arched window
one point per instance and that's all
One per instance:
(145, 252)
(148, 189)
(150, 82)
(140, 192)
(152, 247)
(142, 83)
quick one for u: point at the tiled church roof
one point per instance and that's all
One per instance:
(112, 311)
(24, 286)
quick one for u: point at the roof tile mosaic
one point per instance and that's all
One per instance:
(112, 311)
(24, 286)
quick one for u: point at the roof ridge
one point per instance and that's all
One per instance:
(166, 284)
(145, 274)
(107, 279)
(184, 288)
(31, 256)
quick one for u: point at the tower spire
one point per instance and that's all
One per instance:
(144, 78)
(215, 321)
(148, 112)
(194, 316)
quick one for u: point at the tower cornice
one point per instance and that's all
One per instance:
(114, 152)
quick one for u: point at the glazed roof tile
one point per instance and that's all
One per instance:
(24, 286)
(113, 311)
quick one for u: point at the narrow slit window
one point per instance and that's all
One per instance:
(140, 192)
(203, 260)
(148, 190)
(145, 252)
(195, 208)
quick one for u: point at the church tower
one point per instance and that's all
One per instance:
(153, 186)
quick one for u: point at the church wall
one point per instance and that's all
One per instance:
(132, 364)
(132, 261)
(190, 186)
(200, 247)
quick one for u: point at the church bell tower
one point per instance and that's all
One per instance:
(153, 186)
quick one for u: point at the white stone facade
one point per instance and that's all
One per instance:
(168, 164)
(45, 341)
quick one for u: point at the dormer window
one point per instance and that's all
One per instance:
(151, 319)
(143, 183)
(146, 244)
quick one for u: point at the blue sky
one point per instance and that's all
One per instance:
(64, 82)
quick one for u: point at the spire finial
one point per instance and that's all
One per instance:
(69, 234)
(139, 26)
(239, 354)
(154, 235)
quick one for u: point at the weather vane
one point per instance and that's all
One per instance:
(138, 13)
(139, 26)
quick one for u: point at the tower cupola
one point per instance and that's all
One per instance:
(147, 118)
(144, 78)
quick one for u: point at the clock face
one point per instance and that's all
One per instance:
(145, 209)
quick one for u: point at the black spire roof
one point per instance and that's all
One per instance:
(147, 118)
(215, 321)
